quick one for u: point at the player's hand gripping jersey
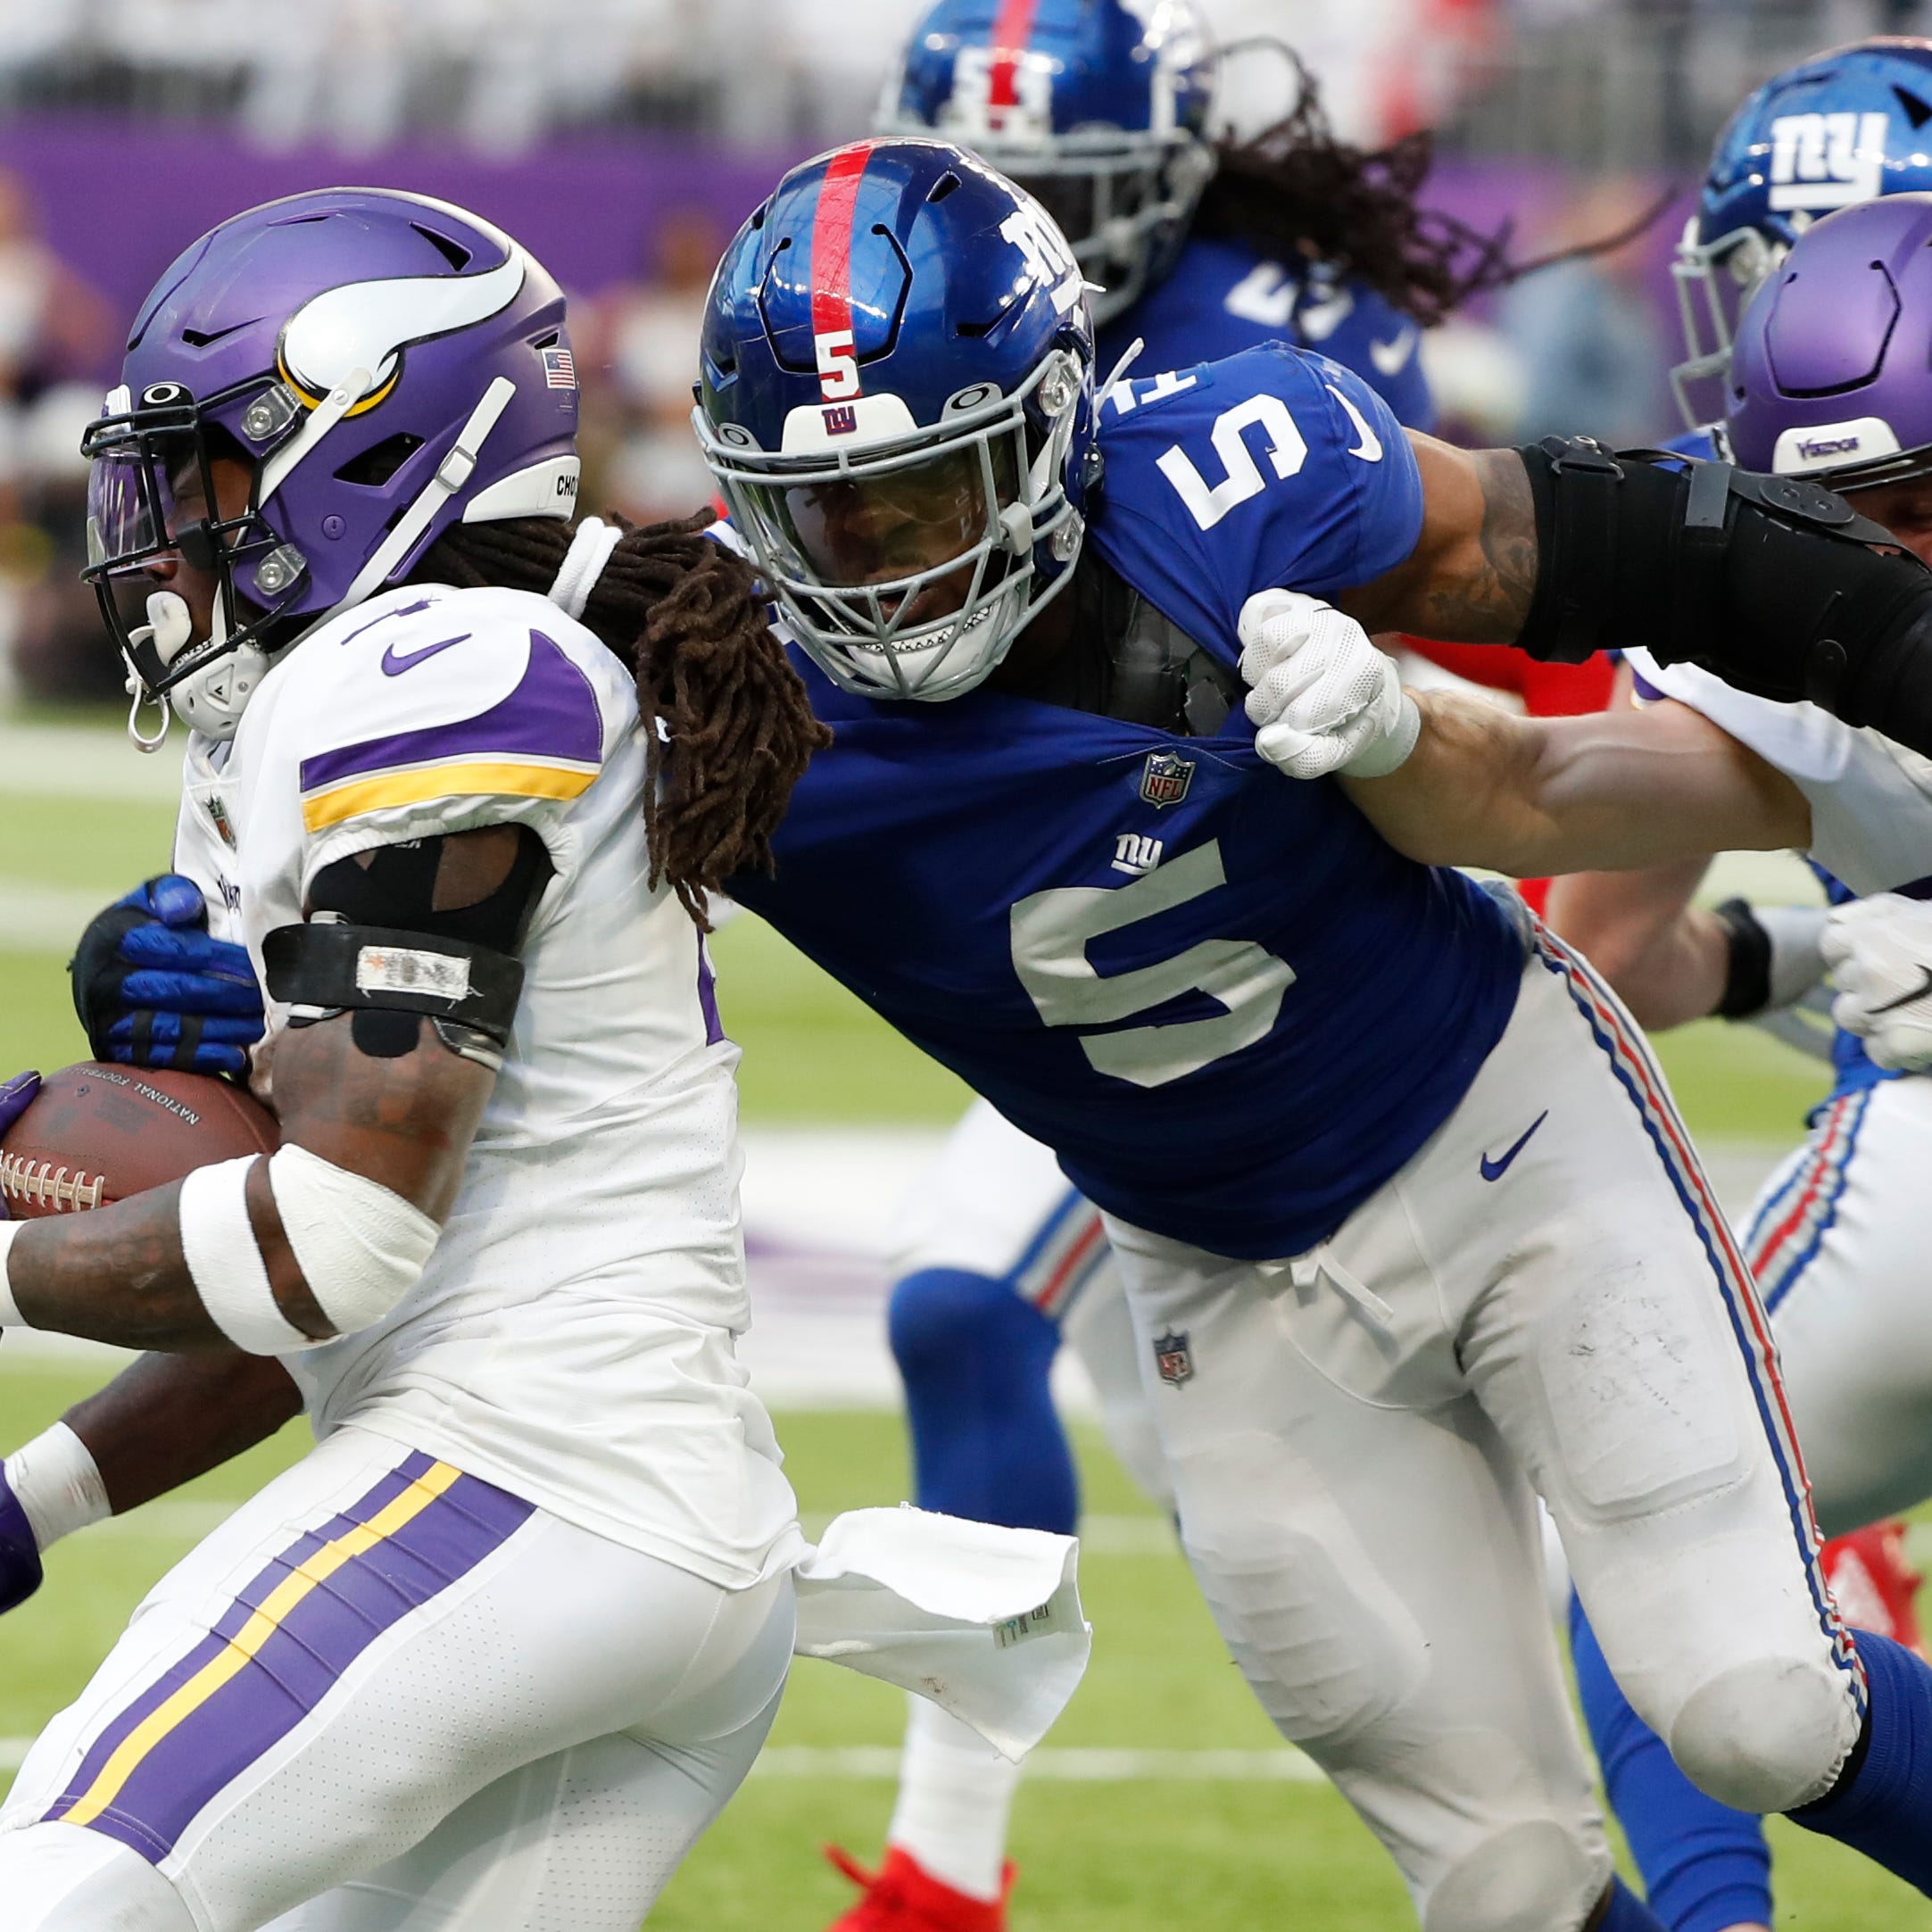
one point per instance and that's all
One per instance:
(570, 1339)
(1227, 1003)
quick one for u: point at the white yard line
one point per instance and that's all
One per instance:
(45, 918)
(87, 762)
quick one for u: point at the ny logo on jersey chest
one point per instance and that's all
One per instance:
(1166, 777)
(1135, 852)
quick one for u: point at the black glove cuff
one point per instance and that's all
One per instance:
(1747, 975)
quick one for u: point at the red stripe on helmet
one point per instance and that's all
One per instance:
(1012, 27)
(832, 243)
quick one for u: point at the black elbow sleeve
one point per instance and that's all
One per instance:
(1772, 582)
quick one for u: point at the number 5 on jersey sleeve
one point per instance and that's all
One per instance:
(1050, 933)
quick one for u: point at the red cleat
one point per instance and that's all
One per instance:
(1875, 1587)
(903, 1896)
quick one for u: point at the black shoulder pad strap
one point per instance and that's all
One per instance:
(467, 990)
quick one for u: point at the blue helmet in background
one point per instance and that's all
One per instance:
(1098, 109)
(1847, 127)
(896, 398)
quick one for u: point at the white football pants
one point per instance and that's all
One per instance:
(1838, 1238)
(1546, 1298)
(385, 1697)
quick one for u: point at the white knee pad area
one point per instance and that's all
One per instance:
(1531, 1876)
(1768, 1734)
(61, 1878)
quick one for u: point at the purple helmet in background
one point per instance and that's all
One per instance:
(1831, 376)
(385, 365)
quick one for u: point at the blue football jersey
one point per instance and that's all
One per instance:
(1222, 298)
(1229, 1006)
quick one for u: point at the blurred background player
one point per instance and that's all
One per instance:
(1199, 248)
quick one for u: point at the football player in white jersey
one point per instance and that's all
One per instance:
(1836, 1239)
(502, 1645)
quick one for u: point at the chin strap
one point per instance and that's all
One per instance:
(451, 474)
(590, 550)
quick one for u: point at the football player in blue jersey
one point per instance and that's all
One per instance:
(1193, 250)
(1409, 1226)
(1406, 1221)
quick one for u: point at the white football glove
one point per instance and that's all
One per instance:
(1879, 950)
(1325, 699)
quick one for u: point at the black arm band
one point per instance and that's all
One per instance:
(1772, 582)
(1747, 972)
(468, 992)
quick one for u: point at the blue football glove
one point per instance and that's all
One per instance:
(154, 990)
(20, 1554)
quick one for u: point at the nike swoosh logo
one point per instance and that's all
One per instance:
(1391, 357)
(1905, 1000)
(395, 662)
(1496, 1170)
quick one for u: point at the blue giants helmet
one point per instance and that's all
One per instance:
(896, 398)
(1098, 107)
(1844, 128)
(312, 394)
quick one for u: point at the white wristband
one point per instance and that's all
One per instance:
(1387, 753)
(56, 1480)
(225, 1262)
(9, 1313)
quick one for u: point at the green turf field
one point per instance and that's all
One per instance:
(1145, 1855)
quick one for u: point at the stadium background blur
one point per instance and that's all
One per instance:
(622, 140)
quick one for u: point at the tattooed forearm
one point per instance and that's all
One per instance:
(1486, 597)
(1472, 573)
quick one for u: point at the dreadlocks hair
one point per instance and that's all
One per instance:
(1297, 189)
(683, 613)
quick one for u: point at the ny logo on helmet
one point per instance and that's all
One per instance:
(1031, 230)
(1826, 160)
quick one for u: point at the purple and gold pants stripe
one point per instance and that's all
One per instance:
(280, 1647)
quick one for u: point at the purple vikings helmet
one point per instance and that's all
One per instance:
(896, 398)
(1832, 374)
(384, 365)
(1846, 126)
(1098, 108)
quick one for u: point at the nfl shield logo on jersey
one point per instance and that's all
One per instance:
(1173, 1357)
(1166, 777)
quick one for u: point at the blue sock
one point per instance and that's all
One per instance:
(1706, 1867)
(1883, 1805)
(1628, 1913)
(986, 1443)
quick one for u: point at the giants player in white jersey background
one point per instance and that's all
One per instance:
(1838, 1235)
(502, 1645)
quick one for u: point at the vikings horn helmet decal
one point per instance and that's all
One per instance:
(312, 394)
(896, 397)
(1844, 128)
(1098, 108)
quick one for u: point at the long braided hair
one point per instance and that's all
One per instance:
(683, 613)
(1298, 190)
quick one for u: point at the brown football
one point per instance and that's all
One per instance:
(95, 1135)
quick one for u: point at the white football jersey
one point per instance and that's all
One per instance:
(1870, 798)
(573, 1336)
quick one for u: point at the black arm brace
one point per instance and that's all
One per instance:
(1773, 584)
